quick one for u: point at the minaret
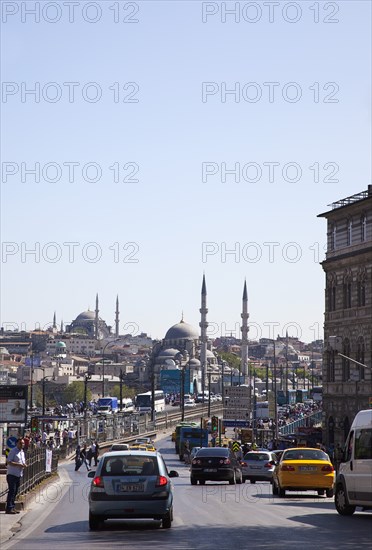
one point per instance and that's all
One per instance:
(203, 332)
(61, 325)
(96, 335)
(244, 329)
(117, 317)
(54, 321)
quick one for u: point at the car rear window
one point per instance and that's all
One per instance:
(257, 456)
(130, 465)
(305, 454)
(214, 451)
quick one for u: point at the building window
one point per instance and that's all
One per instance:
(347, 294)
(363, 227)
(361, 293)
(346, 362)
(360, 356)
(349, 232)
(331, 366)
(332, 242)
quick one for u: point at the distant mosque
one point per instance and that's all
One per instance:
(89, 323)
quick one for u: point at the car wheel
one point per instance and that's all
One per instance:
(321, 492)
(202, 481)
(275, 489)
(193, 481)
(281, 492)
(253, 481)
(166, 522)
(329, 493)
(341, 502)
(233, 480)
(95, 522)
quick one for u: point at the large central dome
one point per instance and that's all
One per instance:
(182, 331)
(86, 316)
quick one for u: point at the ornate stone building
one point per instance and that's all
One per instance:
(347, 387)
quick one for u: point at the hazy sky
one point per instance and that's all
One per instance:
(167, 139)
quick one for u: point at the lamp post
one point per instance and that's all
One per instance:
(103, 363)
(43, 382)
(121, 378)
(154, 352)
(87, 377)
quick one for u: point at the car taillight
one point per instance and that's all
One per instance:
(268, 465)
(196, 461)
(243, 464)
(327, 468)
(161, 481)
(287, 468)
(98, 482)
(225, 461)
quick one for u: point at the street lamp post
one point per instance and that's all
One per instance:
(121, 377)
(87, 377)
(103, 363)
(209, 393)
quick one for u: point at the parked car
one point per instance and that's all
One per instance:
(303, 469)
(131, 484)
(215, 464)
(258, 466)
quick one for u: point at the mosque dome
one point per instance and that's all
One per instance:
(182, 331)
(86, 316)
(61, 345)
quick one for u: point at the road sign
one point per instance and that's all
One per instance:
(235, 423)
(235, 446)
(11, 442)
(237, 403)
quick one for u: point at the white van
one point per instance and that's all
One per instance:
(354, 479)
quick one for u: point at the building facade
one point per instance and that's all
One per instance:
(347, 387)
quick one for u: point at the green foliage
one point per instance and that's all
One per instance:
(127, 392)
(75, 392)
(232, 359)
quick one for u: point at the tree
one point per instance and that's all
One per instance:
(74, 392)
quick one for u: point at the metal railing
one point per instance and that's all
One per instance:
(310, 420)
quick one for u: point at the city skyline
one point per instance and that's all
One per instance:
(152, 142)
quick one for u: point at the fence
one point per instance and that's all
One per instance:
(310, 420)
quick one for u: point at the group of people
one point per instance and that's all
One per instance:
(85, 455)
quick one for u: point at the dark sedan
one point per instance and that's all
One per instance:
(215, 464)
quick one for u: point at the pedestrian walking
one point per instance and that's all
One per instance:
(81, 457)
(16, 463)
(96, 452)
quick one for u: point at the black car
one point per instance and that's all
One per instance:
(215, 464)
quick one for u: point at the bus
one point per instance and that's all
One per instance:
(291, 399)
(283, 398)
(316, 393)
(144, 402)
(262, 410)
(301, 395)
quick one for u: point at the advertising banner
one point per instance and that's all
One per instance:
(13, 404)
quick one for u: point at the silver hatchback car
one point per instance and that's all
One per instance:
(130, 485)
(258, 466)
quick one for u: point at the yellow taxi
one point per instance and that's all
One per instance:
(304, 469)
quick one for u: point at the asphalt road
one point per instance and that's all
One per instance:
(216, 515)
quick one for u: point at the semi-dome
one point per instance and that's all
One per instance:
(182, 331)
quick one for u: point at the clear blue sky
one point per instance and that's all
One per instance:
(173, 213)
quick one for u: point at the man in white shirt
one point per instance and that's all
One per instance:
(16, 463)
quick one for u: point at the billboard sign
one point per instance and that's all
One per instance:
(13, 404)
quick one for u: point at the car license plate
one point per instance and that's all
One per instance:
(307, 468)
(210, 470)
(132, 487)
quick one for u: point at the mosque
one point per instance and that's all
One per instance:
(184, 348)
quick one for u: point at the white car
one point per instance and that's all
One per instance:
(190, 403)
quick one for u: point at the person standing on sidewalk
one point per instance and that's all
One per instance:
(16, 463)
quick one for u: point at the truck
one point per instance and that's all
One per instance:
(194, 436)
(107, 405)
